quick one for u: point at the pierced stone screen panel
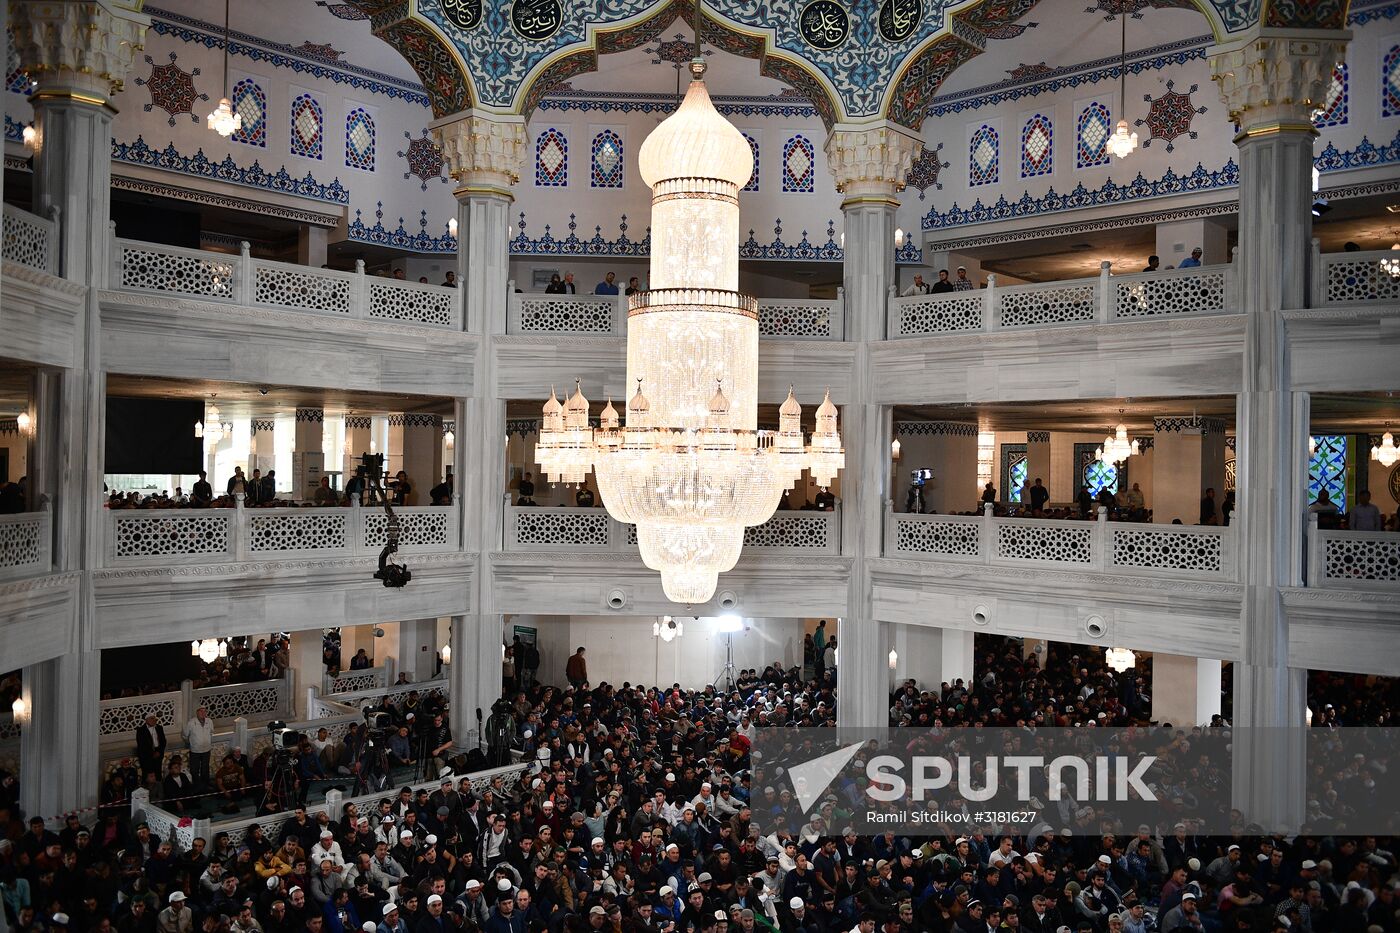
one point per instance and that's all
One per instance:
(1363, 280)
(307, 291)
(392, 302)
(548, 526)
(549, 315)
(152, 271)
(185, 534)
(1045, 542)
(1053, 305)
(123, 719)
(27, 241)
(251, 700)
(942, 538)
(940, 315)
(1362, 558)
(1168, 550)
(799, 320)
(1170, 294)
(20, 542)
(791, 531)
(416, 529)
(316, 531)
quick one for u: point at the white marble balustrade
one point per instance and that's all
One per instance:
(29, 240)
(1131, 548)
(25, 543)
(260, 283)
(1103, 299)
(1353, 559)
(538, 314)
(1366, 277)
(147, 537)
(537, 528)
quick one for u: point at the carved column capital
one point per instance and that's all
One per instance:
(1275, 78)
(80, 48)
(870, 160)
(483, 151)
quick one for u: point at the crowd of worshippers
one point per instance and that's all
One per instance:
(260, 491)
(639, 817)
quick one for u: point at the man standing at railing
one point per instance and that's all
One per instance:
(1191, 261)
(150, 748)
(201, 494)
(199, 737)
(918, 287)
(962, 283)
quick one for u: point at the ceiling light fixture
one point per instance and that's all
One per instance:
(1386, 453)
(209, 649)
(1123, 141)
(690, 468)
(668, 629)
(222, 118)
(1120, 659)
(24, 423)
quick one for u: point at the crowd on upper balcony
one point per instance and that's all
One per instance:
(565, 285)
(260, 491)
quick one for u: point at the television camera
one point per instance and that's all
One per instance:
(281, 782)
(914, 502)
(370, 474)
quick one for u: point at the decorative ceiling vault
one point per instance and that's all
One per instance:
(855, 60)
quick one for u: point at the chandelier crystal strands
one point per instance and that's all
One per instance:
(1386, 453)
(689, 467)
(1116, 447)
(1120, 659)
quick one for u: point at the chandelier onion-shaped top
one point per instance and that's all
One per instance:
(689, 467)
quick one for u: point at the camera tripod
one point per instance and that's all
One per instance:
(281, 785)
(374, 766)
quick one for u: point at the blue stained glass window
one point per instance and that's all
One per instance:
(1094, 129)
(1018, 480)
(1097, 475)
(607, 160)
(1327, 469)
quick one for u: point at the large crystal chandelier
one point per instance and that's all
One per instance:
(690, 468)
(1116, 447)
(1386, 453)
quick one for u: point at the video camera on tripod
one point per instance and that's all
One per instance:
(371, 472)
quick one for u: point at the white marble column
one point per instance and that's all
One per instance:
(1271, 81)
(79, 53)
(869, 163)
(308, 456)
(416, 648)
(483, 154)
(931, 656)
(308, 668)
(949, 449)
(357, 440)
(1185, 690)
(311, 246)
(263, 446)
(1038, 458)
(1188, 457)
(422, 454)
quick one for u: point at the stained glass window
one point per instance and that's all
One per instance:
(551, 159)
(1390, 83)
(607, 160)
(1017, 475)
(250, 103)
(1327, 469)
(359, 139)
(799, 164)
(1037, 149)
(1098, 474)
(1334, 109)
(308, 123)
(753, 180)
(983, 157)
(1091, 136)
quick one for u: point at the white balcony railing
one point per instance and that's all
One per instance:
(1104, 299)
(25, 540)
(1348, 278)
(259, 699)
(542, 315)
(1353, 559)
(207, 536)
(1197, 551)
(30, 240)
(541, 528)
(260, 283)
